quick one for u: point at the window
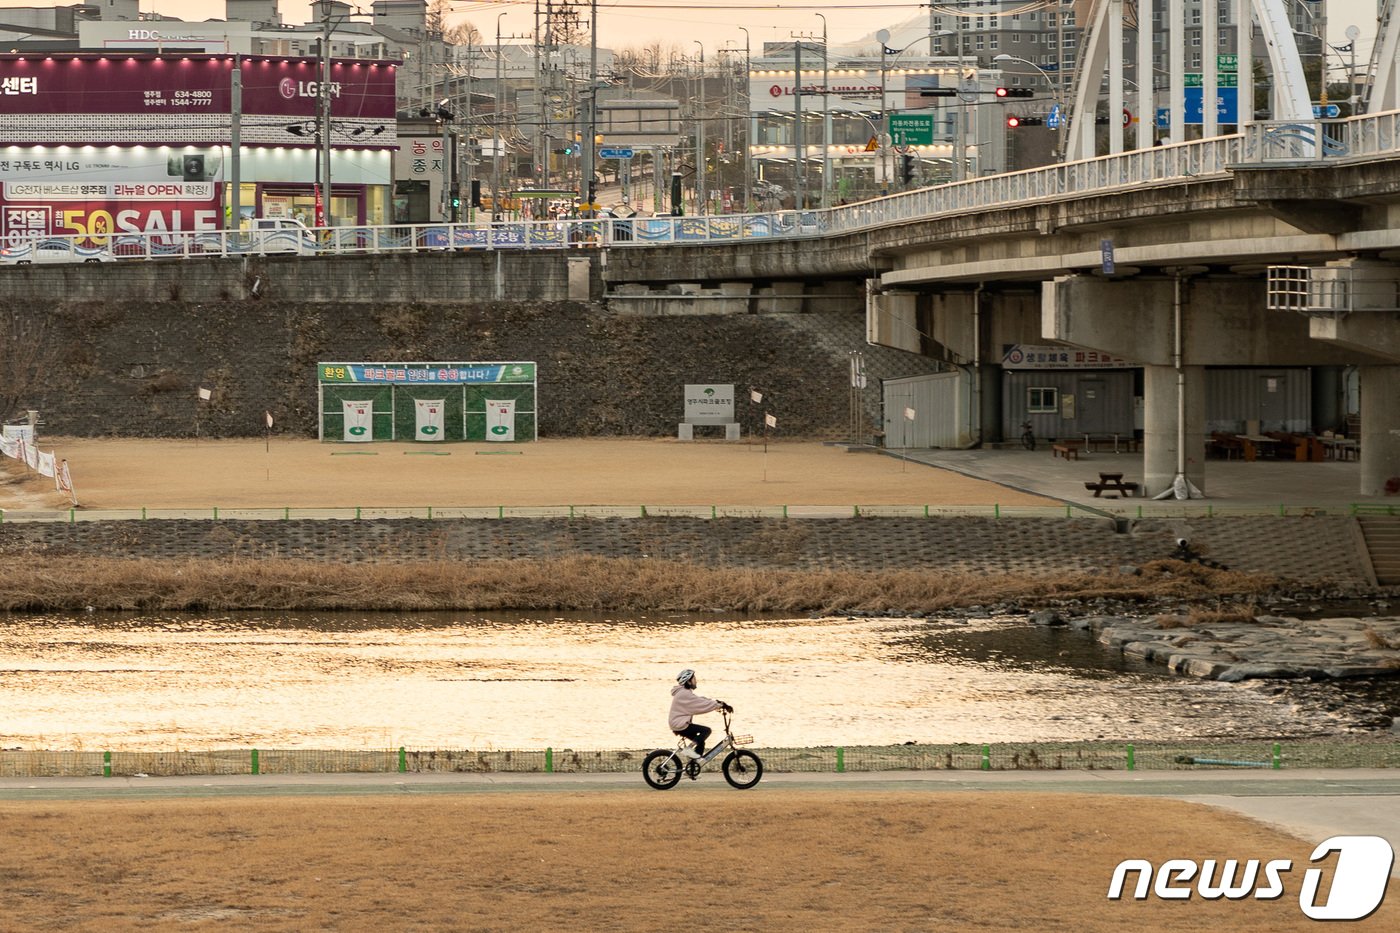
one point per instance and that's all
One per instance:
(1042, 399)
(993, 41)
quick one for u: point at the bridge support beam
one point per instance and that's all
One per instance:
(1162, 438)
(1380, 429)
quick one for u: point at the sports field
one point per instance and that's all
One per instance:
(112, 473)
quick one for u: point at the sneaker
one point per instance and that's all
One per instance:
(688, 753)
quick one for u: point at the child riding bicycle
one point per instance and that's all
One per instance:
(686, 703)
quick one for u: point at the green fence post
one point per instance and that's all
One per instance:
(403, 760)
(549, 761)
(986, 758)
(500, 511)
(840, 759)
(714, 512)
(72, 516)
(571, 511)
(216, 513)
(106, 764)
(925, 511)
(357, 513)
(1131, 761)
(143, 513)
(996, 511)
(644, 511)
(286, 513)
(855, 511)
(255, 761)
(1282, 510)
(1139, 512)
(784, 511)
(430, 512)
(1278, 756)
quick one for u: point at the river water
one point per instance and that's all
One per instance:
(452, 680)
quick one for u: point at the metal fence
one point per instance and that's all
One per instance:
(1030, 756)
(1125, 508)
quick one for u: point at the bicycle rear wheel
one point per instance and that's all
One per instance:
(742, 769)
(662, 769)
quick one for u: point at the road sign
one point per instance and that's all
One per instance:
(1331, 110)
(1106, 256)
(1053, 119)
(1226, 105)
(1227, 63)
(911, 129)
(616, 152)
(967, 90)
(1222, 79)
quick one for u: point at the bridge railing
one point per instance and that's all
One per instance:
(1364, 137)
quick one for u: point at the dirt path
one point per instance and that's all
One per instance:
(121, 473)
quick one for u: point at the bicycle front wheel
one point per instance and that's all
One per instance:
(662, 769)
(742, 769)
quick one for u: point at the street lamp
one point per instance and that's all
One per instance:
(700, 201)
(826, 120)
(883, 36)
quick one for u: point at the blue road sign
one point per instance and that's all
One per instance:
(1053, 120)
(1331, 110)
(609, 152)
(1226, 105)
(1106, 256)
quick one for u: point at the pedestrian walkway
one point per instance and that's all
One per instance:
(1311, 804)
(1229, 484)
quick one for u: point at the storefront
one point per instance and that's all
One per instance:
(99, 144)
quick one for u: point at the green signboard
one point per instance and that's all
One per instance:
(911, 129)
(1222, 79)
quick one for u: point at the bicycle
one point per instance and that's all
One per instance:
(664, 767)
(1027, 436)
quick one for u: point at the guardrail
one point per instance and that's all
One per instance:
(1194, 508)
(1364, 137)
(1186, 755)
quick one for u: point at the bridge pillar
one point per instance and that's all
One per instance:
(1161, 439)
(1380, 429)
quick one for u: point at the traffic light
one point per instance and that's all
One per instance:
(1021, 92)
(476, 192)
(906, 168)
(456, 202)
(938, 92)
(1014, 122)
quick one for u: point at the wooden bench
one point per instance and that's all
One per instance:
(1112, 482)
(1068, 451)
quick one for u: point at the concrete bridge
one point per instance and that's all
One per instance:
(1189, 286)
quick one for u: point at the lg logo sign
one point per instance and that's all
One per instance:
(291, 89)
(1359, 879)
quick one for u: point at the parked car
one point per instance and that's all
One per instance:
(52, 249)
(282, 235)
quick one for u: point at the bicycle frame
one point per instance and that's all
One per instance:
(723, 745)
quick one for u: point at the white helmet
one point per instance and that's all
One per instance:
(685, 677)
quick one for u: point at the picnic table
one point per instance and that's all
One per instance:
(1257, 445)
(1112, 482)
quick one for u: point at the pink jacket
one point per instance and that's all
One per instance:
(686, 703)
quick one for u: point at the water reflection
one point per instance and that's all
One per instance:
(116, 682)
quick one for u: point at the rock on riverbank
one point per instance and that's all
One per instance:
(1264, 647)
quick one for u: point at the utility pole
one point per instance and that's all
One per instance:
(799, 164)
(700, 199)
(235, 147)
(826, 118)
(468, 162)
(497, 134)
(748, 128)
(590, 145)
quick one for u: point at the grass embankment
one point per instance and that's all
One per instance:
(582, 583)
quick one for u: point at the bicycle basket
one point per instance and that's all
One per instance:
(743, 740)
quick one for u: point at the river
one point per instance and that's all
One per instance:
(483, 681)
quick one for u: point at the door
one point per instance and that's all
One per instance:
(1091, 407)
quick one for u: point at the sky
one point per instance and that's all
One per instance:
(715, 23)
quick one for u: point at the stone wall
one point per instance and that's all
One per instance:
(1312, 550)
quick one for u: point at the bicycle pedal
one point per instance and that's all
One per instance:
(693, 770)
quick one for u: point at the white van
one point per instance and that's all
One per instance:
(282, 235)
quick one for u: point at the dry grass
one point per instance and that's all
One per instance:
(772, 859)
(580, 583)
(1205, 615)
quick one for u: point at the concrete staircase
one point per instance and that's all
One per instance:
(1382, 534)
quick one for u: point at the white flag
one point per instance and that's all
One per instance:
(756, 396)
(500, 420)
(359, 422)
(770, 420)
(428, 422)
(205, 394)
(909, 414)
(267, 416)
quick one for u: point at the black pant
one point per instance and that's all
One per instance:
(697, 734)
